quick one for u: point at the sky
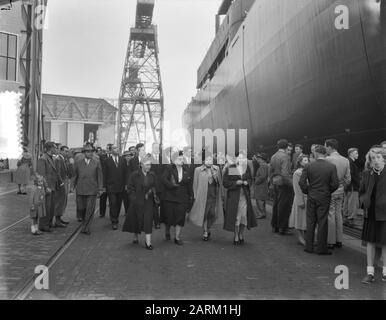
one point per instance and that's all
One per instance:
(85, 45)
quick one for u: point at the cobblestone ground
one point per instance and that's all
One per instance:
(106, 265)
(20, 251)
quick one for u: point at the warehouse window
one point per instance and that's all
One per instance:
(8, 56)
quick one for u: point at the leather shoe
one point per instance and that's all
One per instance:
(60, 225)
(150, 247)
(45, 229)
(87, 233)
(275, 230)
(368, 279)
(285, 232)
(308, 251)
(339, 245)
(178, 242)
(331, 246)
(115, 227)
(63, 221)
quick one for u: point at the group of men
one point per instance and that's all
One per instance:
(331, 183)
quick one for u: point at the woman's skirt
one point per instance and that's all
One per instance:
(140, 219)
(374, 232)
(174, 213)
(242, 210)
(210, 212)
(39, 212)
(23, 174)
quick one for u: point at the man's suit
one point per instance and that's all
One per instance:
(62, 193)
(114, 173)
(318, 180)
(103, 197)
(88, 181)
(46, 167)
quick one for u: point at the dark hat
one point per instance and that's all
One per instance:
(88, 147)
(262, 156)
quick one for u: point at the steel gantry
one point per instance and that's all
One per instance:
(141, 108)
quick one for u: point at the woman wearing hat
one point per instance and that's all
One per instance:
(207, 189)
(143, 200)
(239, 212)
(23, 172)
(177, 197)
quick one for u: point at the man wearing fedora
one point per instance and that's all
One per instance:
(88, 183)
(46, 167)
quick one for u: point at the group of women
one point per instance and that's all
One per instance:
(209, 194)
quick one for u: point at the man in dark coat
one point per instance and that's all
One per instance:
(114, 174)
(318, 180)
(64, 169)
(351, 197)
(88, 182)
(103, 156)
(280, 176)
(46, 167)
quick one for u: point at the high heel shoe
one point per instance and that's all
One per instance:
(236, 242)
(150, 247)
(205, 236)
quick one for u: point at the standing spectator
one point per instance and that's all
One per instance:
(46, 167)
(290, 149)
(372, 193)
(128, 155)
(335, 215)
(114, 179)
(61, 194)
(239, 212)
(312, 155)
(207, 208)
(88, 184)
(177, 197)
(23, 172)
(351, 198)
(103, 198)
(383, 144)
(318, 181)
(298, 152)
(142, 192)
(261, 186)
(281, 179)
(298, 214)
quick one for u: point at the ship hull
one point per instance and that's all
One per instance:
(289, 73)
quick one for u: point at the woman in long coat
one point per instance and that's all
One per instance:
(207, 209)
(372, 195)
(239, 212)
(23, 172)
(297, 218)
(143, 199)
(177, 196)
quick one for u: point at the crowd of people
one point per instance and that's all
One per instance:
(313, 195)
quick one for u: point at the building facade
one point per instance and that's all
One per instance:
(72, 121)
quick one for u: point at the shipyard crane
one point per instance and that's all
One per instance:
(141, 96)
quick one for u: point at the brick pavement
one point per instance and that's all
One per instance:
(106, 265)
(20, 251)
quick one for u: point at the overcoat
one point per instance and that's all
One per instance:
(200, 190)
(233, 197)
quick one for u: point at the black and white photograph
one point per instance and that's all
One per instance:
(200, 153)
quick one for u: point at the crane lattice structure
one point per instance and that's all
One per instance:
(141, 96)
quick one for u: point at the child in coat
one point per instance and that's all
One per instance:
(37, 203)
